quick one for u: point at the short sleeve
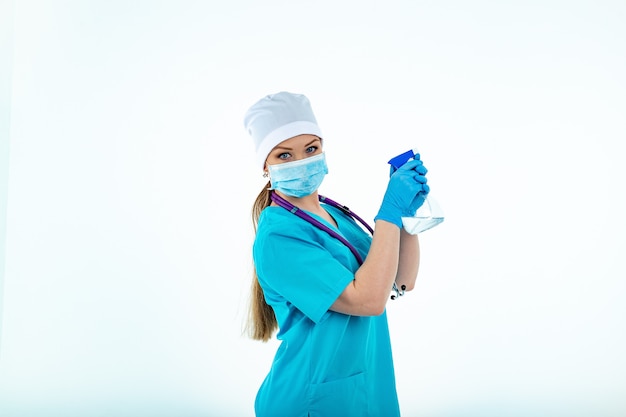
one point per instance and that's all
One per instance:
(298, 263)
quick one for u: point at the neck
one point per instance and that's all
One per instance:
(309, 202)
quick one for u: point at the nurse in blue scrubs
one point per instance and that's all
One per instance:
(325, 303)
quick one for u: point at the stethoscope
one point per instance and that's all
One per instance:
(307, 217)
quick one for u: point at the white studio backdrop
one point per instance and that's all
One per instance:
(130, 180)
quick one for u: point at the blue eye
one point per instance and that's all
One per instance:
(311, 149)
(284, 155)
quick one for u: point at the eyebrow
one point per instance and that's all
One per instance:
(306, 146)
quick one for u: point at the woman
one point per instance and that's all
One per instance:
(320, 279)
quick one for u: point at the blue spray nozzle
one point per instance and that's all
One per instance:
(398, 161)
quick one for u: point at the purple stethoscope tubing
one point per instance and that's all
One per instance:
(346, 210)
(305, 216)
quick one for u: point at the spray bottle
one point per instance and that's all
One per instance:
(429, 214)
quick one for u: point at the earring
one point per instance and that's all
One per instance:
(265, 174)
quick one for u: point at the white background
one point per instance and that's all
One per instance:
(127, 179)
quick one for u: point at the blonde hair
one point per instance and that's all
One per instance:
(261, 322)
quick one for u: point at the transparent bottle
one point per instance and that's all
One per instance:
(429, 214)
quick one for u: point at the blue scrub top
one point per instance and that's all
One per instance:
(328, 364)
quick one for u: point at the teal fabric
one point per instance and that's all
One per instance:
(328, 364)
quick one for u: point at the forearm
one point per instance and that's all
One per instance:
(379, 271)
(369, 291)
(409, 260)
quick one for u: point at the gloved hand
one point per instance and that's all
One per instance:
(418, 200)
(405, 193)
(420, 197)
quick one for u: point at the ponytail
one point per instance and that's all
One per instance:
(261, 322)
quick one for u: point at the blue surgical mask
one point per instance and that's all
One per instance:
(298, 178)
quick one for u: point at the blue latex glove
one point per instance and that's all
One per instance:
(406, 191)
(419, 199)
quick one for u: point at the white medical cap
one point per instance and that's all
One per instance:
(276, 118)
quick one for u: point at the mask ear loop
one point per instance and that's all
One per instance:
(266, 174)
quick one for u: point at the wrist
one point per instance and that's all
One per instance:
(389, 220)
